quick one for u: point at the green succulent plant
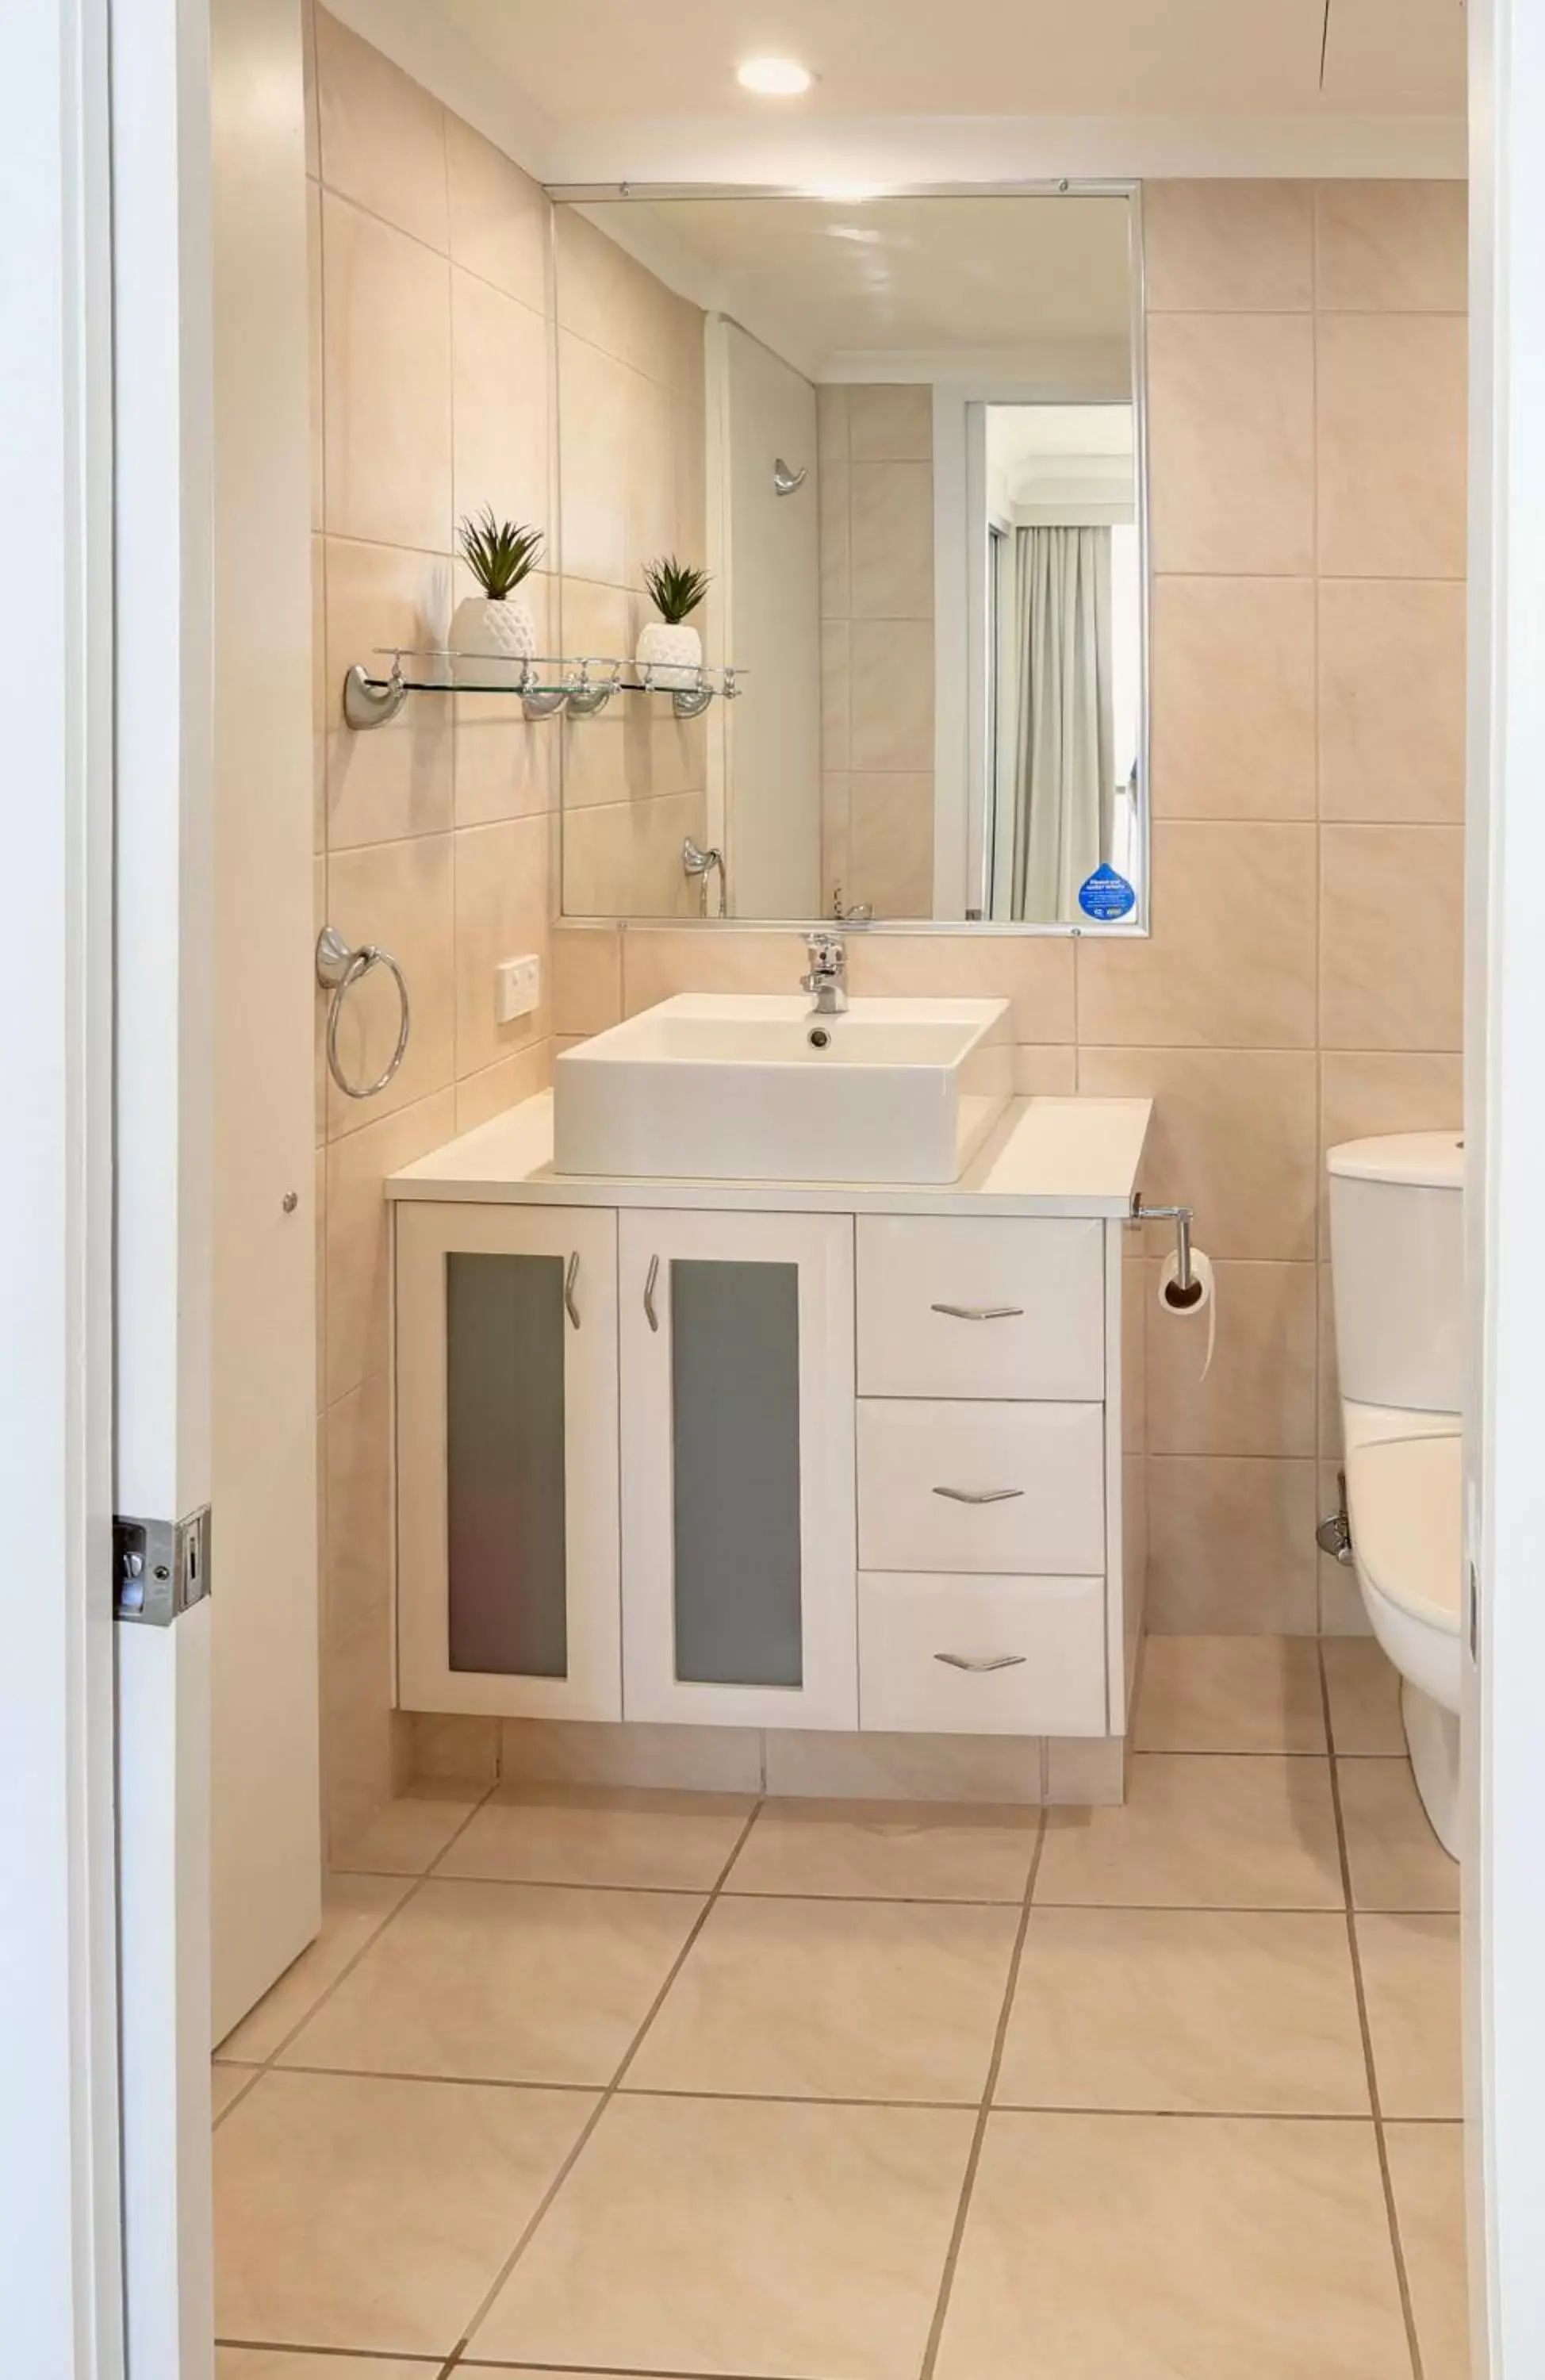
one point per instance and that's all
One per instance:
(499, 554)
(675, 587)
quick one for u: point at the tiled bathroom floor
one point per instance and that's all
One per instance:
(631, 2084)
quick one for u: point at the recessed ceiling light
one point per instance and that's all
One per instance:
(774, 78)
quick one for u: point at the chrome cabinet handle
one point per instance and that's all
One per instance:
(980, 1313)
(569, 1277)
(653, 1275)
(978, 1661)
(980, 1495)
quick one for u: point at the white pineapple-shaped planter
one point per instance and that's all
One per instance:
(669, 650)
(673, 652)
(492, 641)
(493, 635)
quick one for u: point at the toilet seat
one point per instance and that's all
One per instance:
(1405, 1499)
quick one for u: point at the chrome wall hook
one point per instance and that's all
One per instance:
(786, 482)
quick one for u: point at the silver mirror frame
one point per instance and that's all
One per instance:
(1139, 926)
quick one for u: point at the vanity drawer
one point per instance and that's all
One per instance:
(979, 1487)
(958, 1656)
(950, 1306)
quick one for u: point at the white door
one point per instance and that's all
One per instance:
(739, 1571)
(506, 1388)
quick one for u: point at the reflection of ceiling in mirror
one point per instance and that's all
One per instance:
(851, 290)
(1050, 457)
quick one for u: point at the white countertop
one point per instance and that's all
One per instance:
(1046, 1156)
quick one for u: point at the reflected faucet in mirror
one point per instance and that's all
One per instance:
(826, 981)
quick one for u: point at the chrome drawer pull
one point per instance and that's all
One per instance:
(981, 1313)
(982, 1660)
(569, 1277)
(980, 1495)
(650, 1314)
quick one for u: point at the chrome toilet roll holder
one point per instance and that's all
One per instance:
(1185, 1291)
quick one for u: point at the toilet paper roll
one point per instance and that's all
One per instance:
(1204, 1279)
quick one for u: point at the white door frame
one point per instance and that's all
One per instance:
(60, 2279)
(1504, 1914)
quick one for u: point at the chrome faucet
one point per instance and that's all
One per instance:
(828, 979)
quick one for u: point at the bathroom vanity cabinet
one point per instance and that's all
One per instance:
(753, 1455)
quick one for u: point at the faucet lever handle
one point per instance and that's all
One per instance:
(827, 952)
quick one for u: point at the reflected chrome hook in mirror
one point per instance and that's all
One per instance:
(787, 482)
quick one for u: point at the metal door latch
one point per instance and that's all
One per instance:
(159, 1567)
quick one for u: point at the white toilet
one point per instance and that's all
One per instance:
(1396, 1256)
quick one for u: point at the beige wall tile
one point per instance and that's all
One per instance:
(1231, 1546)
(1045, 1072)
(659, 961)
(890, 424)
(445, 1745)
(1035, 973)
(594, 461)
(501, 913)
(357, 1472)
(1231, 438)
(1233, 698)
(836, 694)
(1368, 1091)
(395, 781)
(314, 344)
(587, 978)
(806, 1762)
(480, 1097)
(1258, 1396)
(1391, 247)
(498, 217)
(1220, 247)
(500, 449)
(891, 694)
(1234, 1135)
(836, 837)
(634, 1753)
(892, 540)
(834, 498)
(359, 1238)
(387, 400)
(1231, 956)
(890, 851)
(1391, 937)
(1085, 1772)
(1391, 698)
(382, 135)
(504, 768)
(1391, 445)
(832, 409)
(321, 696)
(626, 860)
(398, 895)
(308, 82)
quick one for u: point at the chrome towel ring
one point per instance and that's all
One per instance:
(338, 970)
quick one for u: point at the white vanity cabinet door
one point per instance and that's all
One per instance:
(739, 1568)
(508, 1587)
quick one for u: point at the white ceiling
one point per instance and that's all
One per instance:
(582, 60)
(887, 287)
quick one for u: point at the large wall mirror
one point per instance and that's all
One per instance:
(884, 457)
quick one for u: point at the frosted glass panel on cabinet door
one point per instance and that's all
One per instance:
(735, 1440)
(506, 1534)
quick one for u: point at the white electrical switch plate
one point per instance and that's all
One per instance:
(517, 988)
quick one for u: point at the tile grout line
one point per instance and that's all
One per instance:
(984, 2109)
(587, 2129)
(1361, 1994)
(417, 1882)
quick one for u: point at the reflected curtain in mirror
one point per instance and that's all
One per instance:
(1056, 732)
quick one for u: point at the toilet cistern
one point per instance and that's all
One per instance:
(827, 980)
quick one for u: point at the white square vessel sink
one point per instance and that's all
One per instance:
(755, 1088)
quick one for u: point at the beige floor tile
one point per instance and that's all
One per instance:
(375, 2214)
(887, 1851)
(354, 1907)
(575, 1834)
(509, 1983)
(1396, 1859)
(266, 2363)
(1230, 1694)
(1427, 2169)
(1185, 2011)
(1410, 1969)
(1203, 1833)
(226, 2084)
(860, 1999)
(1175, 2248)
(409, 1835)
(1364, 1688)
(716, 2236)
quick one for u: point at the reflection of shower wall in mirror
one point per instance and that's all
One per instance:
(878, 648)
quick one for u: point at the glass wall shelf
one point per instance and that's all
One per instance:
(580, 686)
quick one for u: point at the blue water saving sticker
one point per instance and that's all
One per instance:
(1106, 895)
